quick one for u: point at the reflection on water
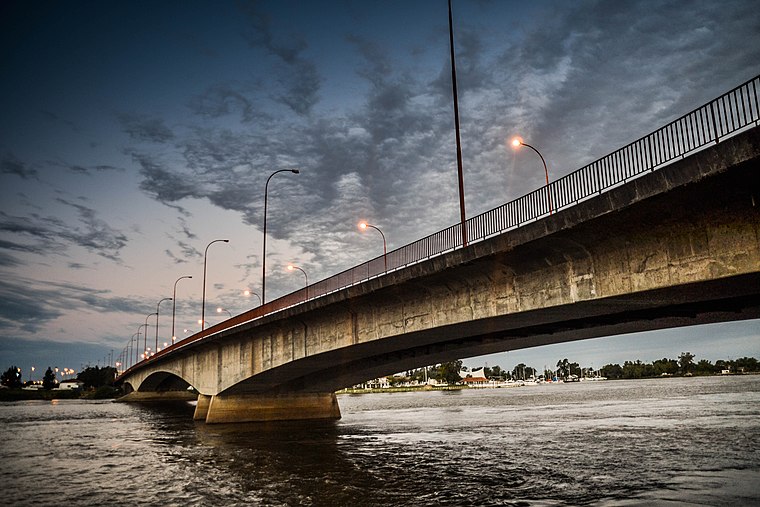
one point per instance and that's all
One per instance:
(606, 443)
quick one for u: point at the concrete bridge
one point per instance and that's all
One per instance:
(677, 246)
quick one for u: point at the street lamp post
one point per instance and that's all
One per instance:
(248, 292)
(174, 305)
(291, 267)
(460, 171)
(203, 302)
(516, 143)
(137, 348)
(145, 347)
(157, 311)
(363, 226)
(132, 347)
(220, 310)
(264, 252)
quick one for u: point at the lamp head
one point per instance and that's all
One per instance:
(295, 171)
(291, 267)
(362, 225)
(517, 142)
(219, 310)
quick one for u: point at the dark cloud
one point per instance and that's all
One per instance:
(188, 252)
(47, 234)
(90, 169)
(298, 77)
(33, 234)
(9, 164)
(23, 307)
(145, 128)
(216, 153)
(221, 100)
(6, 260)
(187, 232)
(299, 85)
(165, 186)
(95, 235)
(27, 306)
(174, 258)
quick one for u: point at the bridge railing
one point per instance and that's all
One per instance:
(722, 117)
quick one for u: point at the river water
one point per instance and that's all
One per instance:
(670, 441)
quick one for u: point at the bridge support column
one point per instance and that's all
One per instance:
(282, 407)
(201, 409)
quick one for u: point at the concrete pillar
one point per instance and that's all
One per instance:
(261, 407)
(201, 409)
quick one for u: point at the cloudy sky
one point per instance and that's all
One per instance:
(134, 133)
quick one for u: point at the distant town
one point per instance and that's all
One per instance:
(455, 375)
(98, 382)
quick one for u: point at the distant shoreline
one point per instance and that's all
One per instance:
(404, 389)
(11, 395)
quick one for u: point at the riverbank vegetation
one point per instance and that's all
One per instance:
(93, 383)
(453, 372)
(685, 365)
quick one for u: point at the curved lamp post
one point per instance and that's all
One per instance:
(248, 292)
(203, 302)
(220, 310)
(174, 305)
(363, 226)
(131, 347)
(137, 348)
(145, 348)
(291, 267)
(516, 143)
(264, 252)
(157, 310)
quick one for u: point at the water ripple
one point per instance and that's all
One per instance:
(683, 441)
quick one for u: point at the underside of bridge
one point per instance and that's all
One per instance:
(677, 247)
(665, 309)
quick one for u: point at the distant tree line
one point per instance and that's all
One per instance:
(685, 365)
(91, 377)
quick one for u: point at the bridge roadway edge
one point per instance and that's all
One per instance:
(548, 242)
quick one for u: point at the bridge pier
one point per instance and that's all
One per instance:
(201, 409)
(234, 408)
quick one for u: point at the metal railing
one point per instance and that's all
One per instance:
(724, 116)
